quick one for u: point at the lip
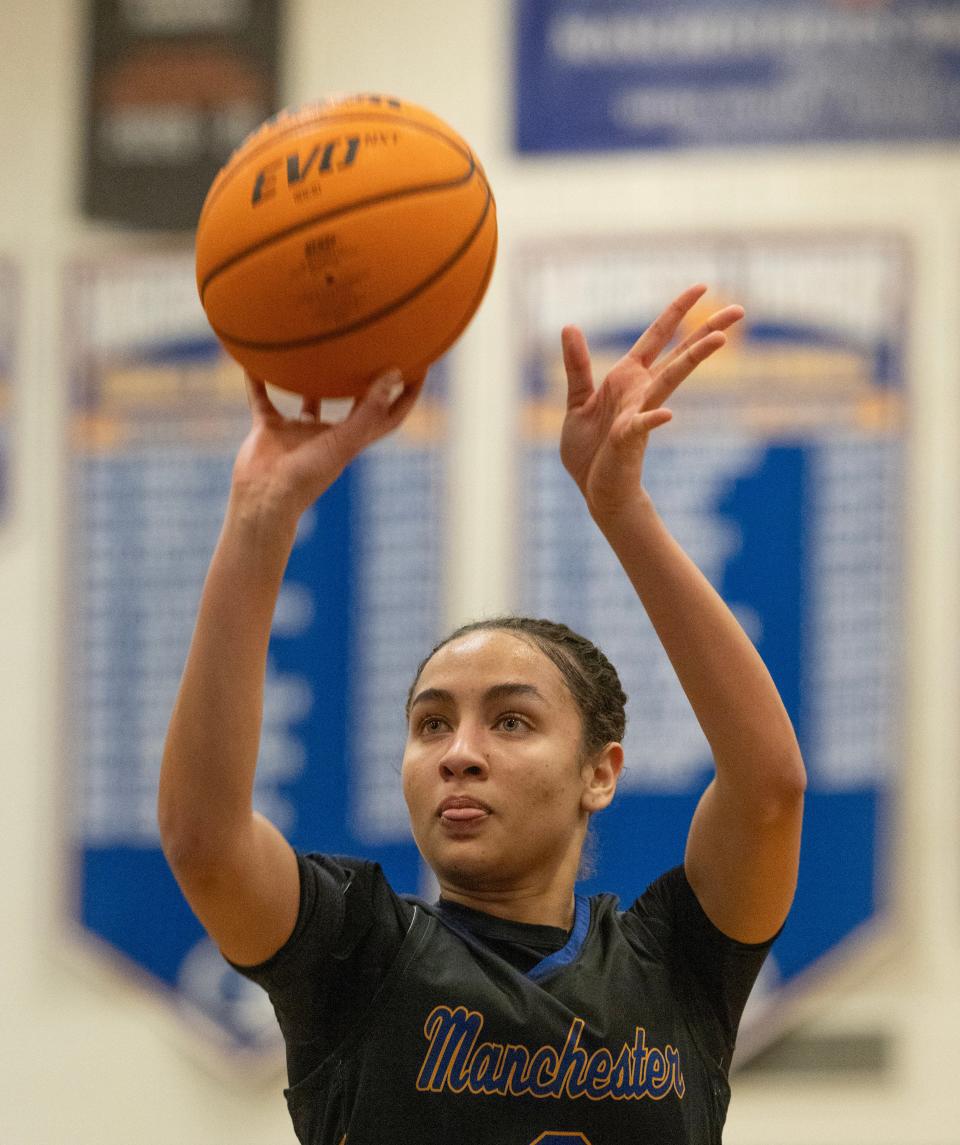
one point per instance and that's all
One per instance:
(462, 809)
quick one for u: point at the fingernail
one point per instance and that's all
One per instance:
(391, 385)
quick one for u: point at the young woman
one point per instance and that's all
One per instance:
(512, 1011)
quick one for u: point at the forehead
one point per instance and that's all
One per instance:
(480, 659)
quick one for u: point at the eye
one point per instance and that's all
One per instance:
(432, 724)
(511, 722)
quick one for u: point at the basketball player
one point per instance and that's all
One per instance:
(512, 1011)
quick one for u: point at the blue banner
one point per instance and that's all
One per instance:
(781, 475)
(595, 75)
(158, 414)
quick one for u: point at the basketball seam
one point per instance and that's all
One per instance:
(311, 125)
(470, 310)
(397, 304)
(360, 204)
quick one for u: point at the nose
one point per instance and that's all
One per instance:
(464, 756)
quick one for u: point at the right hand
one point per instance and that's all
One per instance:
(287, 463)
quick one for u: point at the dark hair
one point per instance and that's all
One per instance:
(591, 678)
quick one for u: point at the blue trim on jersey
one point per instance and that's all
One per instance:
(566, 954)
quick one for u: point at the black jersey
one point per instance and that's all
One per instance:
(402, 1025)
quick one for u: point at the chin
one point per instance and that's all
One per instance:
(461, 871)
(470, 874)
(463, 877)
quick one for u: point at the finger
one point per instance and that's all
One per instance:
(406, 399)
(721, 320)
(682, 366)
(310, 411)
(576, 362)
(652, 341)
(368, 413)
(380, 392)
(640, 424)
(258, 398)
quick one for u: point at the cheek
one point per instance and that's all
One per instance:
(549, 792)
(411, 780)
(406, 776)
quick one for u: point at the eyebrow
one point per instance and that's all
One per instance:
(496, 692)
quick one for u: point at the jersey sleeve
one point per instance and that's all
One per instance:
(349, 928)
(721, 970)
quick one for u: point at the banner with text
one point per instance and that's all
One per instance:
(781, 475)
(158, 412)
(596, 75)
(172, 91)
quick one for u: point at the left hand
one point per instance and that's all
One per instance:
(605, 430)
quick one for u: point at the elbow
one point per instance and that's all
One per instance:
(782, 775)
(788, 772)
(181, 844)
(173, 826)
(190, 846)
(785, 785)
(769, 788)
(795, 773)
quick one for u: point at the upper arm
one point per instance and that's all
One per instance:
(742, 858)
(247, 895)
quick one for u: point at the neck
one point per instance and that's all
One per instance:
(554, 907)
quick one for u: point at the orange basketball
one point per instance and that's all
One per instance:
(342, 239)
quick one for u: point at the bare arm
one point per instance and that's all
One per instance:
(743, 847)
(236, 870)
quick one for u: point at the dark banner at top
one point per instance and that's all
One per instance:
(173, 88)
(606, 74)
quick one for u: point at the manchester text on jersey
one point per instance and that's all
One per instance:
(456, 1062)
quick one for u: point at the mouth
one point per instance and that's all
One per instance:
(457, 809)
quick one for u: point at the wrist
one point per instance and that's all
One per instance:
(625, 512)
(264, 517)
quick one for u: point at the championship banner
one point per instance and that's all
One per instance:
(158, 412)
(594, 75)
(9, 321)
(172, 90)
(782, 476)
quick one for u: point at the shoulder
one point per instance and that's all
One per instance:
(350, 927)
(668, 921)
(346, 904)
(669, 904)
(652, 919)
(353, 896)
(357, 884)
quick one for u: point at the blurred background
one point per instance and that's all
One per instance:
(799, 157)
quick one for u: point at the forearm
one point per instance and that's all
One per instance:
(210, 756)
(723, 676)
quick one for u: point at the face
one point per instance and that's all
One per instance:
(493, 771)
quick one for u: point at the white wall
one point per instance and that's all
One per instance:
(87, 1058)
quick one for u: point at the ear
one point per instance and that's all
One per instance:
(600, 774)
